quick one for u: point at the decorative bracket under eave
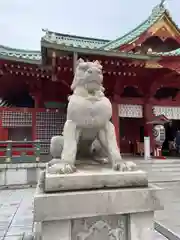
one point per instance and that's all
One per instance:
(152, 64)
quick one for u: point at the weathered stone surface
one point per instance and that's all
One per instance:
(81, 204)
(94, 177)
(101, 228)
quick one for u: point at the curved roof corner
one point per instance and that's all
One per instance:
(157, 13)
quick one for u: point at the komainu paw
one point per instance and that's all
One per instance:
(62, 168)
(54, 161)
(102, 160)
(124, 166)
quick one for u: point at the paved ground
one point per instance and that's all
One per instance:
(16, 215)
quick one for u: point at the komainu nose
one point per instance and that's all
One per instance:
(90, 70)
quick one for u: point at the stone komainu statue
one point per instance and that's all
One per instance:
(88, 131)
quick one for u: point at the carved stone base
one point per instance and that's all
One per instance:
(94, 176)
(103, 214)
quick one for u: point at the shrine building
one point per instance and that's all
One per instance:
(141, 77)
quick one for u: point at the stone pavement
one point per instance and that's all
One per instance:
(16, 216)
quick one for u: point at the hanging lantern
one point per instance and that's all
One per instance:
(119, 73)
(112, 62)
(117, 63)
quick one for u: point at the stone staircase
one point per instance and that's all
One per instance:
(167, 170)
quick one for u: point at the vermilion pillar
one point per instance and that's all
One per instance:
(148, 128)
(115, 121)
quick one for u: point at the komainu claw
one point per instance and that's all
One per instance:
(61, 168)
(124, 166)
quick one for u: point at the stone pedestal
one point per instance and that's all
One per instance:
(94, 176)
(102, 213)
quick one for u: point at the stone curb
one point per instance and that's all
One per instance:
(165, 232)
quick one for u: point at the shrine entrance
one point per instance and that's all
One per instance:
(131, 134)
(131, 127)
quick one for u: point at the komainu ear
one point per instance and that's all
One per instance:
(97, 62)
(80, 60)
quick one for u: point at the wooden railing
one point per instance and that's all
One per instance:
(20, 151)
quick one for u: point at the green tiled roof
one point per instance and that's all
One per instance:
(89, 45)
(175, 52)
(156, 14)
(20, 55)
(73, 41)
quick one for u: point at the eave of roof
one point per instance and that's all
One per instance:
(101, 52)
(73, 40)
(157, 13)
(173, 53)
(20, 55)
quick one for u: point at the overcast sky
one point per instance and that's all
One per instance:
(21, 21)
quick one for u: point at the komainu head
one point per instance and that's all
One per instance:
(88, 75)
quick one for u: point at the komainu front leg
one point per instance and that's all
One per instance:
(56, 147)
(107, 138)
(68, 155)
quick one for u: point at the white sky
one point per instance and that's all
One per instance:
(21, 21)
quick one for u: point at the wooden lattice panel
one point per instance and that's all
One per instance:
(169, 112)
(12, 119)
(130, 111)
(48, 124)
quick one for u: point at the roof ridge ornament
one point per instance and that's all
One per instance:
(162, 3)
